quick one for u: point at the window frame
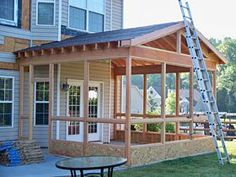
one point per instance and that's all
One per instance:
(35, 102)
(12, 101)
(11, 22)
(54, 11)
(87, 10)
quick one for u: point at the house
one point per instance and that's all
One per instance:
(69, 92)
(81, 101)
(25, 23)
(154, 96)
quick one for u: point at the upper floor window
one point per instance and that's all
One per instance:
(45, 12)
(41, 103)
(6, 101)
(8, 12)
(86, 15)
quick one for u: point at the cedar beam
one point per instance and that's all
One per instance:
(177, 99)
(191, 96)
(128, 110)
(163, 102)
(21, 123)
(31, 97)
(144, 101)
(178, 42)
(115, 103)
(51, 102)
(86, 104)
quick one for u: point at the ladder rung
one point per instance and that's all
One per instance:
(187, 17)
(184, 7)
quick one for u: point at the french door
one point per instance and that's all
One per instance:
(75, 109)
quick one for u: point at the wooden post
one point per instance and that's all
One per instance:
(163, 102)
(86, 104)
(51, 103)
(115, 104)
(214, 82)
(177, 107)
(21, 123)
(31, 97)
(191, 96)
(128, 110)
(178, 42)
(144, 102)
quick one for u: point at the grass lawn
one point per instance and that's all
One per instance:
(198, 166)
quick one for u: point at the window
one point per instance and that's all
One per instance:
(41, 103)
(6, 101)
(8, 9)
(86, 15)
(45, 14)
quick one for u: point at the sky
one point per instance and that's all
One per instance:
(214, 18)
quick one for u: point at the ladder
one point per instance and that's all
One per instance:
(203, 80)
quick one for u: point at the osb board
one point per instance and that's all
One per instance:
(25, 14)
(66, 148)
(188, 147)
(13, 44)
(72, 149)
(105, 149)
(143, 154)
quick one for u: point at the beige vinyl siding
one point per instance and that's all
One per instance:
(98, 71)
(11, 133)
(40, 133)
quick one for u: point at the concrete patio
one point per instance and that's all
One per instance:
(46, 168)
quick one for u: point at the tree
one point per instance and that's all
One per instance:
(170, 103)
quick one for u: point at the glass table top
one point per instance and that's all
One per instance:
(91, 162)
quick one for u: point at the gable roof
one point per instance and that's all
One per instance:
(130, 37)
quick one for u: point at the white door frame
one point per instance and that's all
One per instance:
(76, 137)
(91, 136)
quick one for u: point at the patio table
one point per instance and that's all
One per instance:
(90, 163)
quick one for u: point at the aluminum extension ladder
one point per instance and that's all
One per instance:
(203, 80)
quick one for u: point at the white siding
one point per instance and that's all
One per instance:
(112, 7)
(117, 14)
(43, 31)
(12, 133)
(7, 57)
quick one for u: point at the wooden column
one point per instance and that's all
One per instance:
(86, 104)
(177, 99)
(31, 99)
(191, 96)
(144, 102)
(115, 103)
(178, 42)
(214, 82)
(163, 102)
(128, 110)
(21, 121)
(51, 102)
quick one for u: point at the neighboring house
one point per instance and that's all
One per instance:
(136, 100)
(25, 23)
(154, 96)
(184, 101)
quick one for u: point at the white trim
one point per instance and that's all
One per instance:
(12, 22)
(59, 19)
(58, 100)
(12, 102)
(76, 137)
(87, 10)
(54, 12)
(35, 102)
